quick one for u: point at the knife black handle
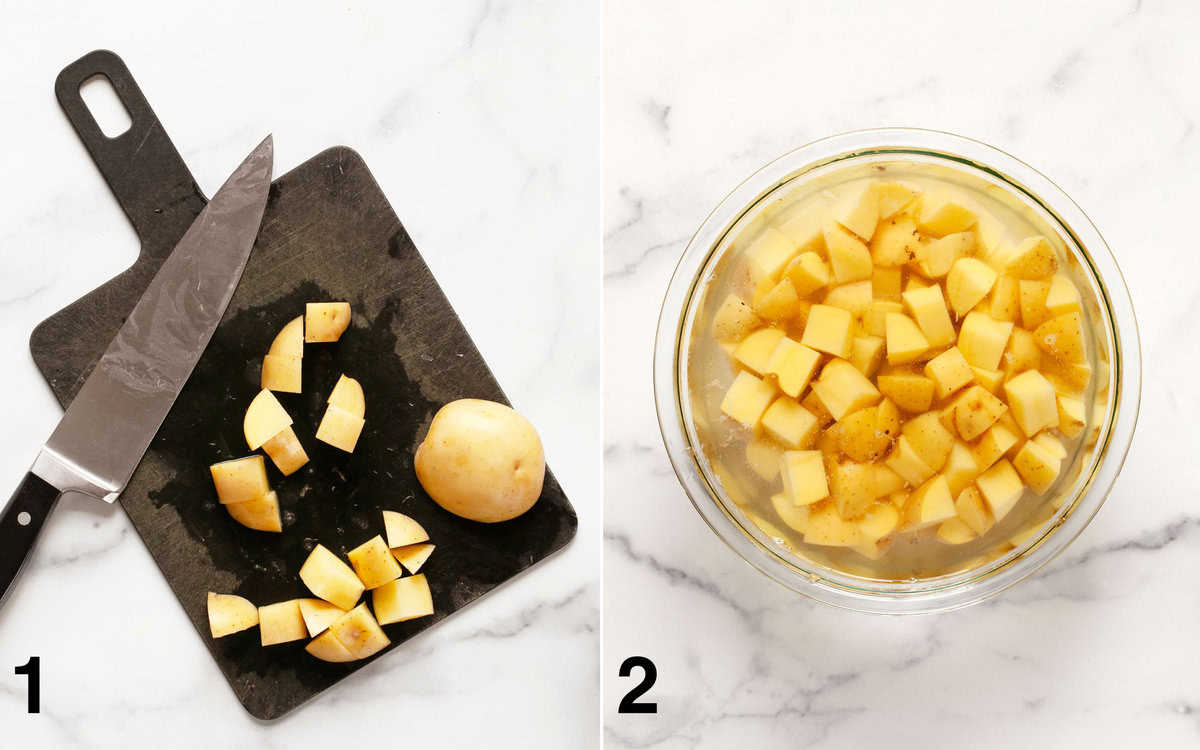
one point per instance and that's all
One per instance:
(141, 166)
(20, 525)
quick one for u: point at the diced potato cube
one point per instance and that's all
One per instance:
(848, 256)
(955, 531)
(1021, 354)
(808, 273)
(1037, 466)
(928, 308)
(260, 514)
(936, 258)
(895, 242)
(795, 516)
(830, 330)
(929, 504)
(854, 298)
(804, 480)
(976, 412)
(905, 462)
(240, 480)
(734, 319)
(341, 429)
(852, 487)
(763, 456)
(1001, 487)
(887, 481)
(373, 563)
(804, 230)
(790, 423)
(942, 215)
(879, 520)
(867, 354)
(929, 438)
(990, 379)
(768, 254)
(893, 196)
(858, 211)
(747, 399)
(325, 321)
(960, 468)
(286, 452)
(886, 283)
(1068, 379)
(859, 436)
(1052, 444)
(793, 366)
(1062, 338)
(1032, 259)
(843, 389)
(755, 350)
(1032, 295)
(949, 371)
(359, 632)
(814, 405)
(281, 372)
(1062, 297)
(913, 393)
(281, 623)
(403, 599)
(329, 578)
(993, 444)
(973, 511)
(982, 340)
(265, 418)
(1005, 301)
(905, 342)
(1071, 416)
(969, 281)
(1033, 402)
(875, 321)
(779, 302)
(826, 527)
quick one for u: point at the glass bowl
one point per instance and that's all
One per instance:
(1085, 483)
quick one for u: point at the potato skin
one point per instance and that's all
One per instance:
(482, 461)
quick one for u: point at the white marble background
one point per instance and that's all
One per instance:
(481, 121)
(1100, 649)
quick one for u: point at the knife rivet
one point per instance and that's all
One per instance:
(24, 518)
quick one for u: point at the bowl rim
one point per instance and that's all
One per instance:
(934, 594)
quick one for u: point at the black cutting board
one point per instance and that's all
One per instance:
(328, 234)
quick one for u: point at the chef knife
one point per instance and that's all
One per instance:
(108, 427)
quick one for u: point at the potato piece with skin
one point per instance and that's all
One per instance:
(1021, 354)
(325, 322)
(971, 508)
(960, 468)
(778, 302)
(318, 614)
(401, 530)
(340, 428)
(260, 514)
(955, 531)
(982, 340)
(790, 423)
(941, 215)
(911, 392)
(905, 462)
(968, 283)
(793, 366)
(852, 487)
(895, 243)
(1032, 296)
(734, 319)
(286, 452)
(825, 527)
(929, 504)
(229, 614)
(359, 632)
(1037, 466)
(904, 340)
(240, 479)
(331, 579)
(808, 273)
(373, 563)
(949, 371)
(936, 258)
(1062, 297)
(1005, 300)
(804, 480)
(347, 393)
(929, 439)
(993, 444)
(328, 648)
(1067, 379)
(849, 258)
(1033, 402)
(482, 461)
(879, 520)
(814, 406)
(1001, 487)
(403, 599)
(1033, 259)
(289, 342)
(976, 412)
(281, 623)
(747, 399)
(281, 373)
(265, 418)
(928, 308)
(1062, 338)
(413, 556)
(830, 330)
(1071, 416)
(843, 389)
(1052, 444)
(795, 516)
(867, 434)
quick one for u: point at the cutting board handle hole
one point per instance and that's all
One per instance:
(102, 101)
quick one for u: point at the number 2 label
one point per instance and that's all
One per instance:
(629, 704)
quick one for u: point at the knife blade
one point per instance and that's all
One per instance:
(109, 425)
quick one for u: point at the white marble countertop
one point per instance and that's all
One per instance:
(480, 121)
(1099, 649)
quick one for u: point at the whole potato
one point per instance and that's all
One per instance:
(482, 461)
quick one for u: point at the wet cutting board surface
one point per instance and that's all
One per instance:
(328, 234)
